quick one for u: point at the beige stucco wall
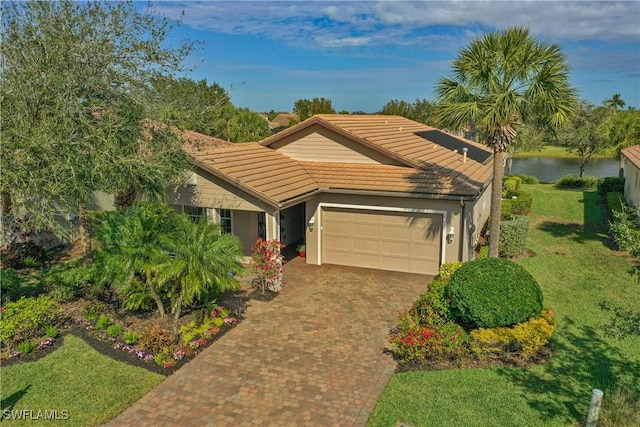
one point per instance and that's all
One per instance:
(212, 192)
(318, 144)
(245, 226)
(631, 183)
(452, 207)
(476, 215)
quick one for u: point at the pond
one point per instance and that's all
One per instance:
(551, 169)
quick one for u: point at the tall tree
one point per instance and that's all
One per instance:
(422, 110)
(614, 102)
(498, 81)
(583, 136)
(185, 103)
(71, 116)
(305, 108)
(621, 130)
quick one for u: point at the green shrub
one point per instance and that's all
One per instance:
(64, 281)
(431, 308)
(511, 183)
(27, 318)
(625, 229)
(513, 237)
(524, 339)
(430, 342)
(573, 182)
(610, 185)
(10, 283)
(114, 331)
(192, 331)
(102, 322)
(528, 179)
(493, 292)
(156, 339)
(447, 269)
(131, 337)
(516, 203)
(615, 201)
(26, 346)
(52, 331)
(483, 252)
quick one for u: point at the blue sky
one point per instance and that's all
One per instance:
(361, 54)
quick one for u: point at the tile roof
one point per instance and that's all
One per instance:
(259, 170)
(433, 161)
(633, 154)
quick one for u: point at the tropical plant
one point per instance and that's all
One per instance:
(614, 102)
(132, 252)
(497, 82)
(204, 262)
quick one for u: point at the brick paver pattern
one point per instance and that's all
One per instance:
(314, 356)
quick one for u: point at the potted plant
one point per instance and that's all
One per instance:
(302, 250)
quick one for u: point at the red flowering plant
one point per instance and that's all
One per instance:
(266, 260)
(412, 341)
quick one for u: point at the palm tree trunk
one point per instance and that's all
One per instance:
(158, 300)
(85, 237)
(496, 200)
(178, 306)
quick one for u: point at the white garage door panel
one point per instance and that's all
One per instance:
(383, 240)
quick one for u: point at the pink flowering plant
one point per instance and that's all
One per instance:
(266, 260)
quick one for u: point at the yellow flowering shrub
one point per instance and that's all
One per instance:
(525, 338)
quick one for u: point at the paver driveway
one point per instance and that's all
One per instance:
(313, 356)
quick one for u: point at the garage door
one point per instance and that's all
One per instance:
(394, 241)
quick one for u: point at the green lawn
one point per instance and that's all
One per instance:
(92, 388)
(575, 270)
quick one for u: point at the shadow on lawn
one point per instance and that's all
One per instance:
(582, 361)
(592, 228)
(9, 402)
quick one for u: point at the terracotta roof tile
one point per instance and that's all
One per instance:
(633, 154)
(257, 168)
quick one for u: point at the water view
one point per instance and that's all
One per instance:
(551, 169)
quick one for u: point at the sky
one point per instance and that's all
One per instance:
(362, 54)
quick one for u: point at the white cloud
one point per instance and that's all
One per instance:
(302, 21)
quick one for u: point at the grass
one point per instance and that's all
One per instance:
(576, 270)
(92, 388)
(557, 152)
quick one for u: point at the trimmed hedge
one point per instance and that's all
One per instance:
(610, 184)
(528, 179)
(516, 203)
(27, 318)
(511, 183)
(492, 293)
(513, 237)
(577, 183)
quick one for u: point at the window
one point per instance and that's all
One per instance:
(225, 221)
(195, 213)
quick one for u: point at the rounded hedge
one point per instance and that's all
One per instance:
(491, 293)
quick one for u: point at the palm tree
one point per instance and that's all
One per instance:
(497, 82)
(205, 261)
(131, 253)
(614, 102)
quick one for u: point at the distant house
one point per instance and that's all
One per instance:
(631, 171)
(283, 121)
(371, 191)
